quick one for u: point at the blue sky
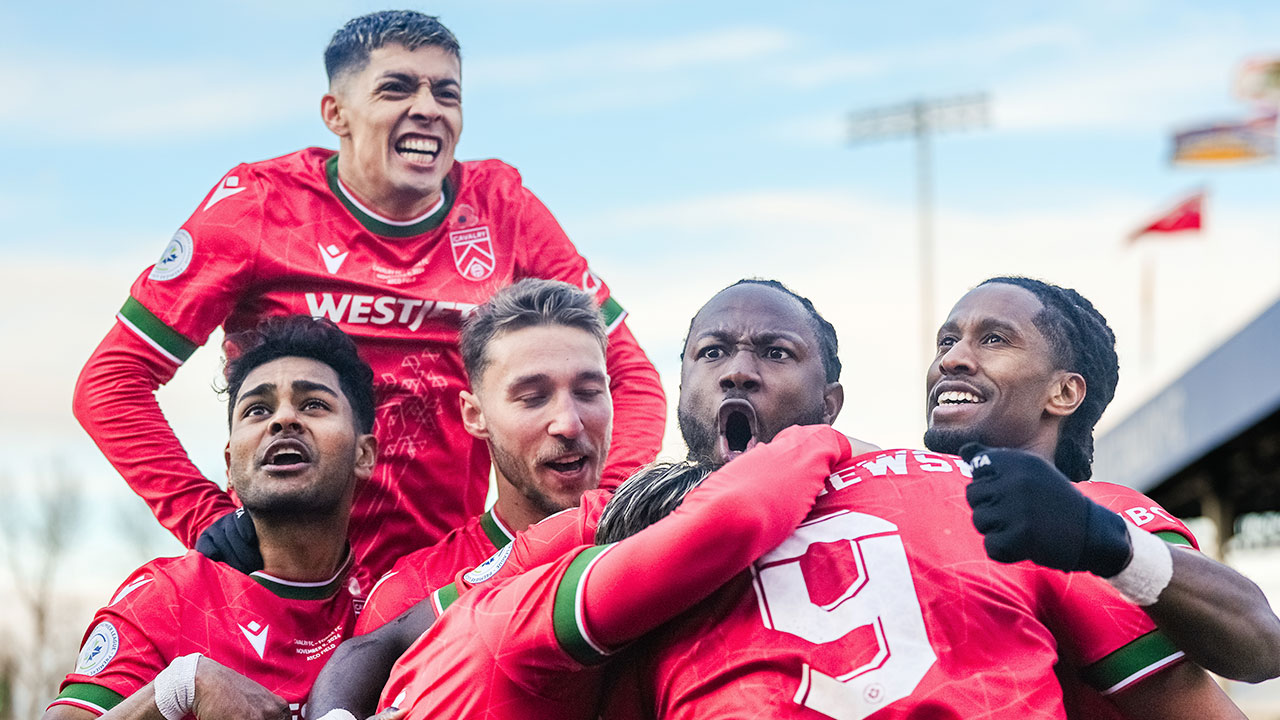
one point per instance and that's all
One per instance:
(682, 146)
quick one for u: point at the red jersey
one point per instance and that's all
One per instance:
(1109, 674)
(284, 236)
(274, 632)
(529, 646)
(885, 605)
(415, 575)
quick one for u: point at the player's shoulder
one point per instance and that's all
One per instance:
(261, 177)
(161, 578)
(491, 179)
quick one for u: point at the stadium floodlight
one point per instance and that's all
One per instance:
(920, 119)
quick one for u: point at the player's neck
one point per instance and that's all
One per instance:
(302, 550)
(384, 201)
(516, 511)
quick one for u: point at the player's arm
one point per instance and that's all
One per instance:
(171, 309)
(740, 512)
(639, 404)
(1028, 510)
(1182, 691)
(192, 685)
(352, 679)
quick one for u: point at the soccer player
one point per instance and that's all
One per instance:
(539, 398)
(392, 240)
(532, 646)
(1031, 366)
(189, 636)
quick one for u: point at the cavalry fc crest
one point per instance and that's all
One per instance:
(473, 252)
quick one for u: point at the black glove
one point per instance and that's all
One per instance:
(1028, 510)
(232, 539)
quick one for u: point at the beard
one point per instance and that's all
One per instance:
(322, 498)
(703, 438)
(949, 442)
(520, 475)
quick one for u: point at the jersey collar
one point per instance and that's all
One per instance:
(290, 590)
(387, 227)
(497, 531)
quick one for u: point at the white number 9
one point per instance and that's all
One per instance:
(842, 582)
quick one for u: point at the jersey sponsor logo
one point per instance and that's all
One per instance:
(124, 591)
(256, 635)
(382, 309)
(175, 258)
(488, 568)
(229, 186)
(473, 252)
(99, 649)
(332, 255)
(1141, 516)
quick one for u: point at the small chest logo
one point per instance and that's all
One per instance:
(332, 255)
(473, 252)
(490, 567)
(99, 649)
(256, 635)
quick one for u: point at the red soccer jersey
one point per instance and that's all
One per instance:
(528, 646)
(417, 574)
(285, 236)
(274, 632)
(885, 605)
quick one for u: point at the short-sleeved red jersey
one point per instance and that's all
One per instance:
(417, 574)
(285, 236)
(885, 605)
(277, 633)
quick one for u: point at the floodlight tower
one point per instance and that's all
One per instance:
(920, 119)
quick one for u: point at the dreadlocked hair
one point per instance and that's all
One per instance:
(1081, 342)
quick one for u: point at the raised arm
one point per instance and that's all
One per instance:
(115, 402)
(740, 512)
(1028, 510)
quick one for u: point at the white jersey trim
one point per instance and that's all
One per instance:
(382, 219)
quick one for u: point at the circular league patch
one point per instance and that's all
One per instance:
(98, 650)
(175, 258)
(488, 568)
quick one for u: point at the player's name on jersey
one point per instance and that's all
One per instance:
(382, 309)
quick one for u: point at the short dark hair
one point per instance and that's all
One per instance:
(527, 303)
(648, 496)
(301, 336)
(1081, 342)
(828, 343)
(349, 49)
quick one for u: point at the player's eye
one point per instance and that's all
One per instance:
(777, 353)
(712, 352)
(255, 410)
(992, 339)
(448, 93)
(314, 404)
(946, 341)
(395, 87)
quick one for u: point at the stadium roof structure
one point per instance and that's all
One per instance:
(1209, 443)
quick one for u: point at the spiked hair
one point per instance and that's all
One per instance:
(647, 497)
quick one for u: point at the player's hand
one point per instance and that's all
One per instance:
(1028, 510)
(224, 694)
(232, 539)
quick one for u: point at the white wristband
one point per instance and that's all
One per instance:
(337, 714)
(175, 687)
(1150, 570)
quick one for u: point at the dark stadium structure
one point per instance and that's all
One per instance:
(1209, 443)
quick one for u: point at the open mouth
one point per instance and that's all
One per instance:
(959, 397)
(418, 149)
(738, 428)
(285, 456)
(568, 465)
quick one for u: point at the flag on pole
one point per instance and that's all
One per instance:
(1183, 216)
(1249, 141)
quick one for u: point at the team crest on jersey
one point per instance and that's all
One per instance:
(175, 258)
(473, 252)
(98, 650)
(490, 567)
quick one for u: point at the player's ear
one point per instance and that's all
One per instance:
(366, 456)
(832, 401)
(1066, 394)
(226, 454)
(473, 416)
(331, 111)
